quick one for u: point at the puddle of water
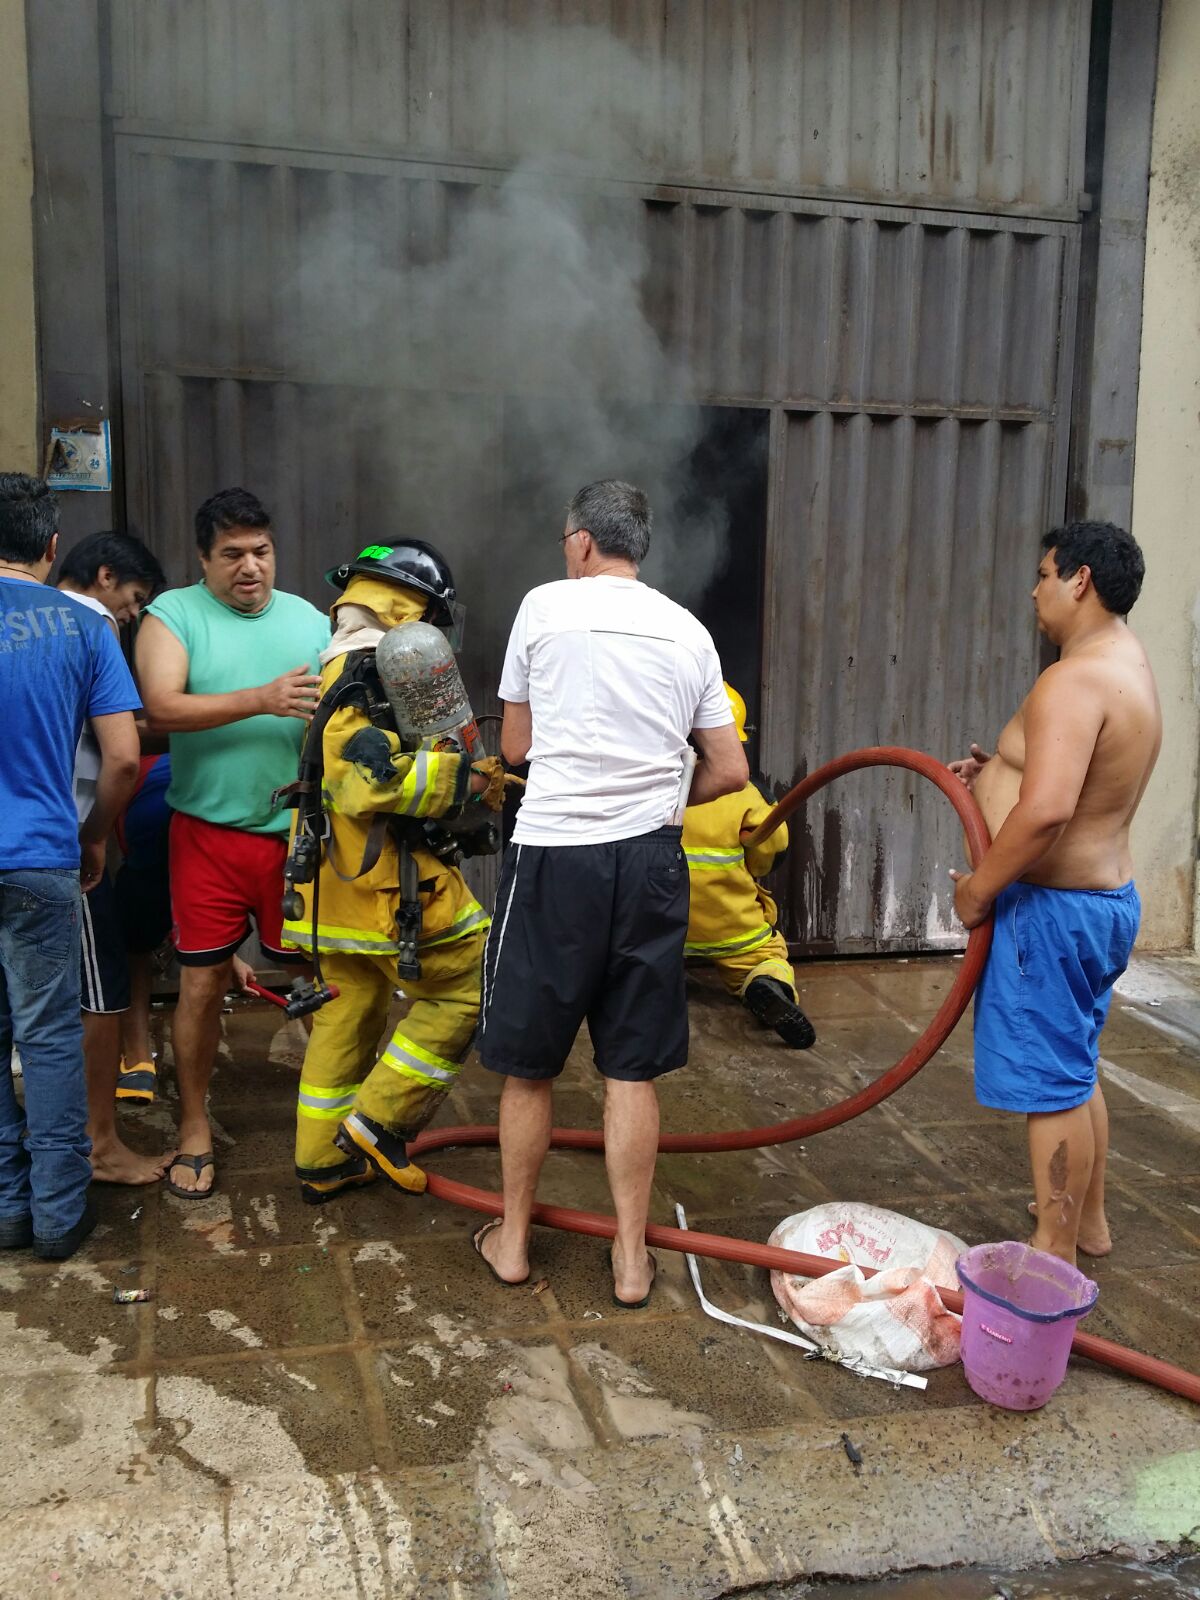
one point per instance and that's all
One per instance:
(1081, 1580)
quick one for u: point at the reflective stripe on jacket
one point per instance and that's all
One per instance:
(367, 772)
(730, 912)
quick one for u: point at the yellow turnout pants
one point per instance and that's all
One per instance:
(766, 960)
(420, 1063)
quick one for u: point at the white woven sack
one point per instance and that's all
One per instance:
(894, 1319)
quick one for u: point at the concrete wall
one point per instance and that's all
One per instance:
(1166, 485)
(19, 444)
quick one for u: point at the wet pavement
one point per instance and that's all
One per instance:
(339, 1401)
(1100, 1579)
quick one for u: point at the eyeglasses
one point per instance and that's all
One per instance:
(570, 534)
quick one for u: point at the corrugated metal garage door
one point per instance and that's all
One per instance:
(860, 218)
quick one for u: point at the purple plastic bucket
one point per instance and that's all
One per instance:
(1020, 1307)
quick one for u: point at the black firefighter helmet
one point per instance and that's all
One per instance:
(413, 563)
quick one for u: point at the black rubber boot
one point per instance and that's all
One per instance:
(361, 1136)
(318, 1187)
(770, 1002)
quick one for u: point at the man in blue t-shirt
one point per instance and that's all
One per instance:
(59, 665)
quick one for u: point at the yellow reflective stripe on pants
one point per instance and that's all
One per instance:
(412, 1060)
(315, 1101)
(772, 967)
(435, 1033)
(729, 947)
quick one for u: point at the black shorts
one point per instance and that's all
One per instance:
(104, 969)
(144, 906)
(589, 931)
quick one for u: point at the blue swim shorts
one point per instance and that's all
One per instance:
(1045, 993)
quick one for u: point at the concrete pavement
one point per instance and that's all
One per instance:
(340, 1401)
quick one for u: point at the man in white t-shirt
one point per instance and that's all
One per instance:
(603, 682)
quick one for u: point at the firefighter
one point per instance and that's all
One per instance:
(732, 921)
(369, 804)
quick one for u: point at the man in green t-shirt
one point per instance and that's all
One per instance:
(229, 669)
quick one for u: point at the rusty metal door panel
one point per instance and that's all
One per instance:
(277, 265)
(900, 614)
(275, 237)
(973, 104)
(913, 361)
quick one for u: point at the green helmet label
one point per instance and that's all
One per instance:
(375, 552)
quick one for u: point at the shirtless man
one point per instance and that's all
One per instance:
(1059, 796)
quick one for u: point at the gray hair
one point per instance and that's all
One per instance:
(616, 515)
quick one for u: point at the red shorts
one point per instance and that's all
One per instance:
(221, 878)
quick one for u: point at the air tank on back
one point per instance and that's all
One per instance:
(420, 676)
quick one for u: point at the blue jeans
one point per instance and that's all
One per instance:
(44, 1150)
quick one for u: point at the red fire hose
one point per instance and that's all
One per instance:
(717, 1246)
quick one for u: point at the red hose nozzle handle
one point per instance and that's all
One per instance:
(304, 997)
(254, 987)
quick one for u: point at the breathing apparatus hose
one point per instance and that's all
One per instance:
(718, 1246)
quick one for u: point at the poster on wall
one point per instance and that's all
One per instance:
(78, 456)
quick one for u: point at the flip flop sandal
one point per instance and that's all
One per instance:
(638, 1305)
(477, 1239)
(194, 1164)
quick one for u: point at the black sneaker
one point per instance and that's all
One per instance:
(16, 1233)
(770, 1002)
(65, 1245)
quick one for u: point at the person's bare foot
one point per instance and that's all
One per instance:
(632, 1282)
(195, 1141)
(1094, 1239)
(117, 1163)
(508, 1260)
(1047, 1249)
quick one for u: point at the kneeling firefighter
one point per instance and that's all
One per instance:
(374, 893)
(732, 920)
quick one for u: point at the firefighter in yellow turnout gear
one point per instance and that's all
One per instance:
(732, 921)
(356, 1111)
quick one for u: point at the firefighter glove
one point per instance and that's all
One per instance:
(491, 768)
